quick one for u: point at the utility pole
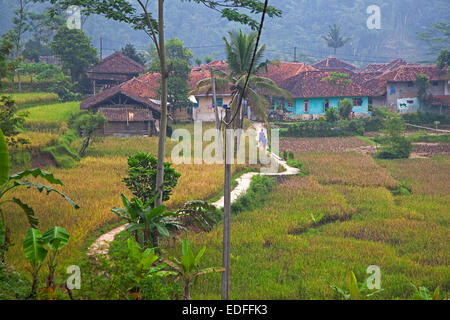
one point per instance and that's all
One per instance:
(216, 112)
(101, 48)
(295, 54)
(227, 209)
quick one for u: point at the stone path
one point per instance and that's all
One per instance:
(101, 245)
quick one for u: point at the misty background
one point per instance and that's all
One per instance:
(300, 29)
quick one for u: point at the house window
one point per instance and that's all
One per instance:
(357, 102)
(327, 104)
(410, 84)
(219, 102)
(306, 106)
(435, 83)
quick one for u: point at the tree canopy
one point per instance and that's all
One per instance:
(73, 48)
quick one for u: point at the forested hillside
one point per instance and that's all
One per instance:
(302, 25)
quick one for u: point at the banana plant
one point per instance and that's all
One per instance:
(36, 247)
(11, 182)
(188, 269)
(144, 265)
(35, 253)
(358, 291)
(55, 239)
(152, 222)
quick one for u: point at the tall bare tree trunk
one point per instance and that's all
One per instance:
(227, 210)
(216, 113)
(163, 118)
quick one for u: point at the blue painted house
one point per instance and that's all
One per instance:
(313, 95)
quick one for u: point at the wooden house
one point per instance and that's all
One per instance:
(131, 108)
(113, 70)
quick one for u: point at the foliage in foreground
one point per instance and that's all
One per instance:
(11, 182)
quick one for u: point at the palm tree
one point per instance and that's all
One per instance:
(334, 39)
(239, 51)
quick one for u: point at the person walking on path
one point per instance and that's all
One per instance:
(262, 139)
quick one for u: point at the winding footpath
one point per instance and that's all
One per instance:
(101, 244)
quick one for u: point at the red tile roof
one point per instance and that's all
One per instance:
(216, 64)
(195, 77)
(404, 73)
(383, 67)
(117, 63)
(407, 73)
(285, 70)
(309, 84)
(332, 64)
(203, 72)
(140, 89)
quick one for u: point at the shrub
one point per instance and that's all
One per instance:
(319, 128)
(425, 118)
(141, 178)
(65, 89)
(259, 189)
(396, 148)
(122, 275)
(345, 108)
(394, 145)
(331, 115)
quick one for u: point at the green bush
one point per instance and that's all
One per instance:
(345, 108)
(396, 148)
(318, 128)
(141, 180)
(255, 196)
(63, 153)
(425, 118)
(331, 115)
(12, 285)
(425, 137)
(114, 277)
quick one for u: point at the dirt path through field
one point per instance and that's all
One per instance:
(101, 245)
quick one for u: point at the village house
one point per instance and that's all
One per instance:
(335, 65)
(397, 89)
(131, 108)
(313, 95)
(203, 107)
(113, 70)
(279, 73)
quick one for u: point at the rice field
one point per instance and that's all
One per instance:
(95, 184)
(424, 176)
(31, 98)
(340, 144)
(39, 139)
(279, 253)
(53, 112)
(348, 168)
